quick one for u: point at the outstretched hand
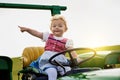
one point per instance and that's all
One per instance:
(22, 29)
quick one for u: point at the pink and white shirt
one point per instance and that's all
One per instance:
(56, 44)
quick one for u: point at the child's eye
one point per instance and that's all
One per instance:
(53, 26)
(60, 25)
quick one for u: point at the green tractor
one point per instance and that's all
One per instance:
(95, 65)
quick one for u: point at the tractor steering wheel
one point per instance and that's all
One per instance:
(73, 62)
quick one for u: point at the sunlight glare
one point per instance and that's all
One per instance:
(96, 42)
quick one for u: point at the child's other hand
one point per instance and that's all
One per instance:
(79, 60)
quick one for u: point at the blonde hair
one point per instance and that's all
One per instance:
(58, 16)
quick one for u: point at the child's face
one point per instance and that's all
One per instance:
(58, 27)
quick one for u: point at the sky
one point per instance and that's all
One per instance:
(91, 23)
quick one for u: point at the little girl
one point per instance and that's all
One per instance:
(55, 43)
